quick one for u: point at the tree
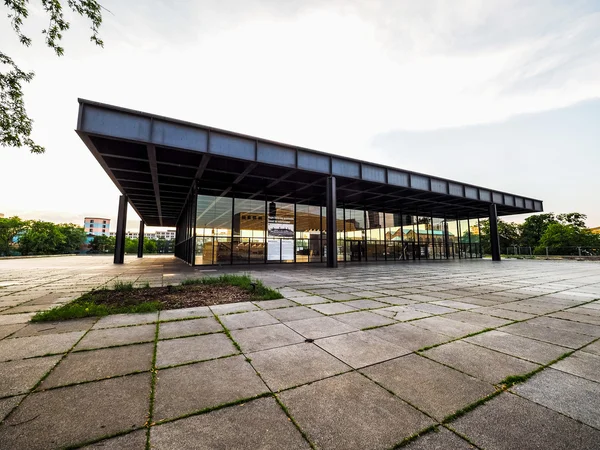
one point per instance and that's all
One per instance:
(131, 245)
(74, 238)
(15, 124)
(509, 234)
(534, 227)
(10, 228)
(41, 238)
(103, 244)
(150, 246)
(576, 219)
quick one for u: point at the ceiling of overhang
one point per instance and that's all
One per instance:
(131, 166)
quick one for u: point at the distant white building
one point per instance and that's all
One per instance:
(167, 235)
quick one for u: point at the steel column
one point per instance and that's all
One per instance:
(141, 240)
(494, 237)
(331, 223)
(121, 225)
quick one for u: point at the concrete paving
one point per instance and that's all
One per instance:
(365, 356)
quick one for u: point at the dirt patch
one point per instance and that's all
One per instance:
(174, 297)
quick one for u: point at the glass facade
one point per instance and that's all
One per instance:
(226, 231)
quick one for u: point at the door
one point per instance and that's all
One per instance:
(356, 250)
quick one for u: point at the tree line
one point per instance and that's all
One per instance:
(557, 234)
(38, 237)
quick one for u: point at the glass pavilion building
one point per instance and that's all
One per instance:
(237, 199)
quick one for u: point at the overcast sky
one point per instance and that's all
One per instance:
(499, 93)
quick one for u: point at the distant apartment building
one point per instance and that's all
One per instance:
(96, 226)
(166, 235)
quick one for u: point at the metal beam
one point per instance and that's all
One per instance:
(494, 236)
(141, 240)
(154, 171)
(121, 224)
(331, 224)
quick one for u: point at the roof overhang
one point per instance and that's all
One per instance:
(155, 160)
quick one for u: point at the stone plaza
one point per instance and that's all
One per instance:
(431, 355)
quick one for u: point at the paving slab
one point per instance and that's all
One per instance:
(364, 319)
(508, 422)
(365, 304)
(340, 297)
(310, 300)
(398, 301)
(566, 325)
(181, 328)
(366, 294)
(408, 336)
(27, 347)
(185, 313)
(593, 348)
(360, 349)
(284, 367)
(474, 318)
(401, 313)
(583, 318)
(190, 349)
(568, 394)
(296, 313)
(448, 327)
(553, 336)
(8, 404)
(11, 319)
(263, 338)
(123, 320)
(20, 376)
(333, 308)
(349, 411)
(504, 313)
(98, 364)
(186, 389)
(456, 304)
(257, 424)
(68, 416)
(274, 304)
(433, 388)
(432, 308)
(439, 439)
(233, 308)
(320, 327)
(132, 441)
(248, 320)
(583, 364)
(111, 337)
(480, 362)
(43, 328)
(521, 347)
(7, 330)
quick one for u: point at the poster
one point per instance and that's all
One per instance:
(287, 249)
(273, 250)
(280, 237)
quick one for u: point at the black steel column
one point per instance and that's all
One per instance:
(121, 225)
(331, 223)
(141, 240)
(494, 237)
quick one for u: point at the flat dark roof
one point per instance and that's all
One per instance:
(154, 160)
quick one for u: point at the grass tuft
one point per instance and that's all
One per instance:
(123, 286)
(83, 307)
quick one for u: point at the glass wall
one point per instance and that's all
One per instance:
(248, 231)
(213, 230)
(245, 231)
(309, 246)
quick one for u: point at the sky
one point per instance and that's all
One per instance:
(499, 93)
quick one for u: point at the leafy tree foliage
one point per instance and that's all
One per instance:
(534, 227)
(103, 244)
(10, 227)
(15, 124)
(508, 232)
(47, 238)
